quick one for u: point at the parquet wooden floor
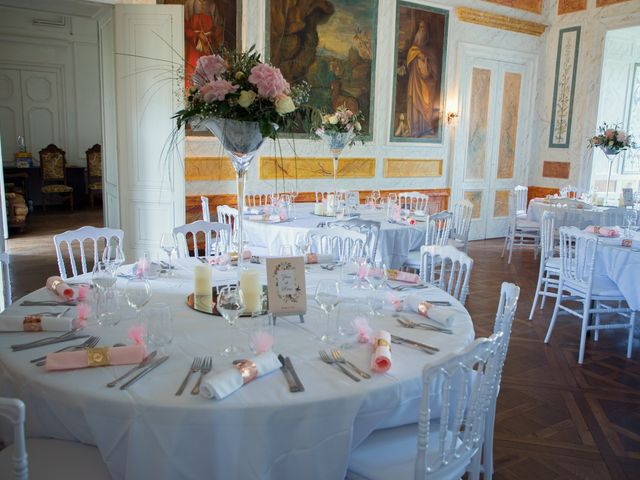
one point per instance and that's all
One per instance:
(555, 419)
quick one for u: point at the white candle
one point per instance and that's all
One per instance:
(251, 288)
(202, 287)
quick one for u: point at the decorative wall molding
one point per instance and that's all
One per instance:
(556, 169)
(272, 168)
(438, 200)
(604, 3)
(208, 168)
(502, 22)
(534, 6)
(570, 6)
(541, 192)
(408, 168)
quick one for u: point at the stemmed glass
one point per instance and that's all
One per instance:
(113, 255)
(376, 277)
(138, 293)
(629, 221)
(104, 279)
(303, 245)
(168, 244)
(327, 296)
(230, 304)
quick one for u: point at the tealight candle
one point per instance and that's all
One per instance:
(202, 287)
(251, 288)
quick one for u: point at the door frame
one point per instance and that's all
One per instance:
(468, 54)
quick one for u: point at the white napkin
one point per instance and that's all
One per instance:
(222, 384)
(16, 323)
(443, 315)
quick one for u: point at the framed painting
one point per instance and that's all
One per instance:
(564, 87)
(420, 52)
(331, 45)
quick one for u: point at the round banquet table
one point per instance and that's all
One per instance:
(394, 244)
(260, 431)
(621, 266)
(567, 216)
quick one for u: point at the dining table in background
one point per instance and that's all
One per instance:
(260, 431)
(621, 265)
(394, 244)
(568, 216)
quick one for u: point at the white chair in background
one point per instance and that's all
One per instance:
(414, 201)
(216, 238)
(438, 230)
(549, 272)
(461, 224)
(47, 458)
(578, 284)
(257, 199)
(615, 217)
(449, 439)
(447, 268)
(521, 233)
(370, 228)
(98, 238)
(6, 280)
(229, 216)
(206, 214)
(322, 196)
(345, 245)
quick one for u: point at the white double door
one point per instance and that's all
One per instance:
(494, 136)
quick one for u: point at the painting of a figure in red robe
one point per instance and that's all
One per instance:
(420, 54)
(208, 25)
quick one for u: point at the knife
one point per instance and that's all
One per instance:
(47, 303)
(155, 364)
(295, 376)
(142, 364)
(293, 386)
(413, 342)
(48, 342)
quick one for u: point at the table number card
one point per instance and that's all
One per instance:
(627, 197)
(286, 289)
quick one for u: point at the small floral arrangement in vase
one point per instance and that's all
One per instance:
(612, 140)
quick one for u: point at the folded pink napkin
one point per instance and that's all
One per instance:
(400, 276)
(222, 384)
(311, 258)
(381, 358)
(95, 357)
(57, 285)
(35, 323)
(603, 231)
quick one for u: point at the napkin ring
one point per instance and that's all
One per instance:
(98, 357)
(55, 284)
(596, 229)
(381, 342)
(627, 242)
(32, 323)
(423, 308)
(247, 368)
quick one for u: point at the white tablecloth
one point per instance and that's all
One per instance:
(622, 266)
(394, 245)
(261, 431)
(567, 216)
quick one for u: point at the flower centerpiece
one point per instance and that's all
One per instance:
(338, 130)
(611, 140)
(242, 101)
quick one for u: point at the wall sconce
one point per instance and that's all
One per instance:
(452, 117)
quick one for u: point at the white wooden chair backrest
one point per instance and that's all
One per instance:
(13, 410)
(216, 238)
(577, 257)
(447, 268)
(6, 280)
(547, 235)
(370, 228)
(509, 295)
(438, 228)
(321, 196)
(615, 217)
(521, 192)
(257, 199)
(98, 238)
(461, 222)
(206, 214)
(345, 245)
(229, 216)
(414, 201)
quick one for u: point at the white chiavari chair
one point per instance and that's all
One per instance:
(216, 237)
(322, 196)
(254, 200)
(229, 216)
(345, 245)
(447, 268)
(461, 224)
(549, 271)
(615, 217)
(370, 228)
(48, 458)
(521, 233)
(578, 284)
(76, 242)
(206, 214)
(437, 233)
(414, 201)
(449, 437)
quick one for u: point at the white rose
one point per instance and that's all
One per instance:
(357, 126)
(246, 98)
(333, 119)
(284, 105)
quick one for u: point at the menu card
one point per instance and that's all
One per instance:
(286, 289)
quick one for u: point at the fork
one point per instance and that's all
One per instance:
(195, 367)
(337, 356)
(206, 368)
(21, 346)
(405, 322)
(326, 358)
(88, 343)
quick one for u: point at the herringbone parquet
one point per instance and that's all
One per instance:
(556, 419)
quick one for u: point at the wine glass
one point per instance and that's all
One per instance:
(629, 221)
(159, 325)
(230, 304)
(287, 251)
(113, 255)
(375, 196)
(104, 278)
(138, 293)
(168, 244)
(327, 297)
(303, 245)
(376, 277)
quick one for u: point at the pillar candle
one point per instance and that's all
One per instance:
(202, 287)
(251, 288)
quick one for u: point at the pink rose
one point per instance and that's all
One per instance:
(609, 132)
(208, 68)
(622, 136)
(217, 90)
(269, 81)
(595, 140)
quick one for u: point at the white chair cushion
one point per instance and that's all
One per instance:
(527, 224)
(57, 460)
(391, 454)
(553, 263)
(601, 287)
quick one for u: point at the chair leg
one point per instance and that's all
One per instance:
(555, 313)
(586, 311)
(632, 325)
(474, 466)
(546, 290)
(487, 447)
(596, 335)
(511, 242)
(535, 296)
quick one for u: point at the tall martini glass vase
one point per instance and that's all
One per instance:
(241, 141)
(336, 141)
(611, 154)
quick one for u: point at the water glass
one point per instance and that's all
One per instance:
(230, 304)
(327, 297)
(376, 278)
(287, 251)
(168, 244)
(113, 255)
(103, 276)
(159, 325)
(138, 294)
